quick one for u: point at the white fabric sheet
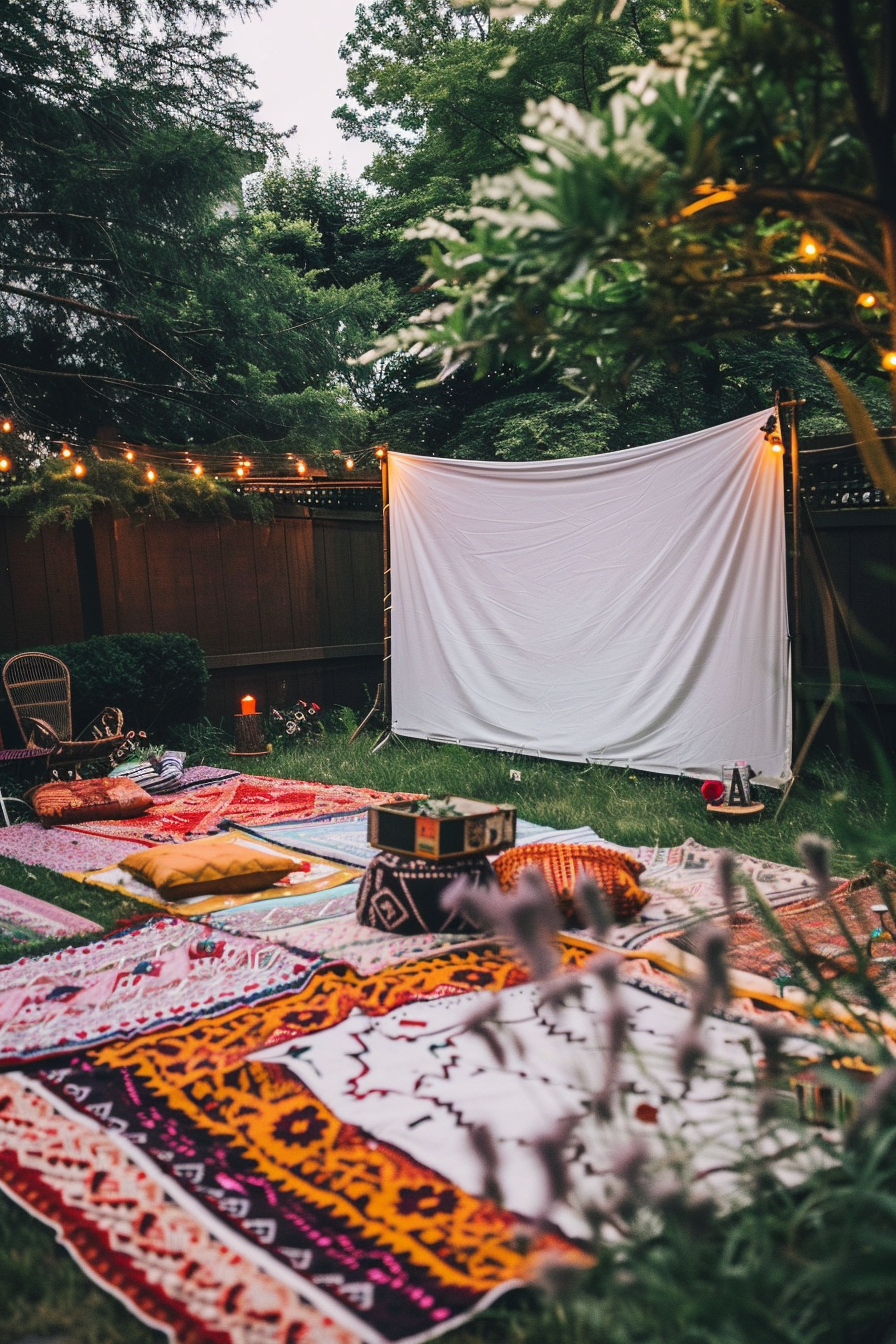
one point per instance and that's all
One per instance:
(628, 608)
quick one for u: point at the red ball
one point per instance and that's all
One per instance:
(712, 790)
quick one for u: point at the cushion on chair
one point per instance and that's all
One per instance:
(66, 801)
(403, 895)
(209, 867)
(615, 871)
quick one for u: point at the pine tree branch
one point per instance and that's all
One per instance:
(69, 303)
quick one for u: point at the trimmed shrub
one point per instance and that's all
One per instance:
(155, 680)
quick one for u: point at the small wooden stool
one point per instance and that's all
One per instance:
(248, 736)
(726, 812)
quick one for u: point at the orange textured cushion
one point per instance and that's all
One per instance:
(208, 867)
(617, 873)
(67, 801)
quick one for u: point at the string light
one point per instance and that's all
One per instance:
(301, 468)
(240, 471)
(79, 469)
(380, 452)
(866, 299)
(349, 464)
(129, 455)
(5, 464)
(247, 464)
(66, 451)
(7, 426)
(150, 475)
(888, 360)
(810, 247)
(197, 470)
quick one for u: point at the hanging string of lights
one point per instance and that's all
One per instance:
(276, 471)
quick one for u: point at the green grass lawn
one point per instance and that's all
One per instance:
(42, 1292)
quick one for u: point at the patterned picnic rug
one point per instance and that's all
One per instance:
(161, 972)
(25, 919)
(820, 928)
(248, 800)
(117, 1222)
(361, 1229)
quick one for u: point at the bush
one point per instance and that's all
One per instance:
(156, 680)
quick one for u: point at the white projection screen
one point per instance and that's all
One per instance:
(628, 608)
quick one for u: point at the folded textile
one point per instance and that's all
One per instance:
(288, 913)
(372, 1237)
(25, 919)
(162, 775)
(118, 1223)
(367, 950)
(345, 838)
(162, 972)
(310, 874)
(62, 849)
(247, 800)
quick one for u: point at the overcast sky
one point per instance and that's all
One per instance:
(293, 49)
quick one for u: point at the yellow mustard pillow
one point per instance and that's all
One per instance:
(208, 867)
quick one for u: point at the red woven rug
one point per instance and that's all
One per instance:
(251, 800)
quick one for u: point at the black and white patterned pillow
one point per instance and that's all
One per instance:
(162, 774)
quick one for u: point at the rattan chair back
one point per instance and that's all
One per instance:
(38, 686)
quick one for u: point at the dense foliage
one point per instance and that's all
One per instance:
(136, 290)
(155, 680)
(738, 182)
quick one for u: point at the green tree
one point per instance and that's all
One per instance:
(739, 183)
(135, 288)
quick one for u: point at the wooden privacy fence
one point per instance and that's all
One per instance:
(286, 610)
(295, 608)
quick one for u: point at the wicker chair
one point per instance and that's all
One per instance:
(38, 688)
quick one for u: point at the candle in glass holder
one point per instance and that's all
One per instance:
(248, 704)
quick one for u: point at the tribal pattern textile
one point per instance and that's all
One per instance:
(367, 950)
(365, 1232)
(120, 1226)
(286, 914)
(315, 875)
(682, 883)
(245, 800)
(422, 1077)
(63, 850)
(345, 838)
(815, 927)
(25, 919)
(162, 971)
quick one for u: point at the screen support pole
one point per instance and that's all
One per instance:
(387, 615)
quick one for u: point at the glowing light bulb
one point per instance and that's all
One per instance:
(6, 426)
(247, 464)
(349, 464)
(66, 451)
(301, 468)
(810, 247)
(150, 475)
(129, 455)
(5, 464)
(380, 452)
(79, 469)
(866, 300)
(197, 470)
(888, 360)
(240, 471)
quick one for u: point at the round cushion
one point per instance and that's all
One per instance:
(403, 895)
(614, 870)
